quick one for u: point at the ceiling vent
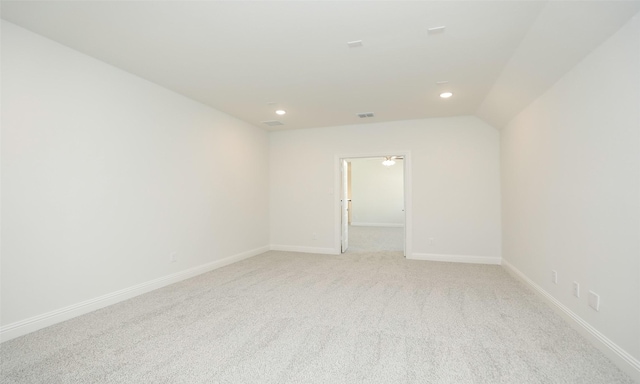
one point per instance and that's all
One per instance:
(272, 123)
(365, 115)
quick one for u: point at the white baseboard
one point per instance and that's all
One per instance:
(394, 225)
(455, 258)
(296, 248)
(619, 356)
(23, 327)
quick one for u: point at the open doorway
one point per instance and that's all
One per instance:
(373, 203)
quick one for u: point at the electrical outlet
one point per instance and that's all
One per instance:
(576, 289)
(314, 236)
(594, 300)
(554, 276)
(173, 257)
(430, 241)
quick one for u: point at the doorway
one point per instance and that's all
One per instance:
(373, 203)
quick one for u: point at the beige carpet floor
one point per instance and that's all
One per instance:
(375, 239)
(284, 317)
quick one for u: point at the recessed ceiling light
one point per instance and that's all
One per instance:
(435, 30)
(446, 95)
(280, 112)
(354, 44)
(442, 82)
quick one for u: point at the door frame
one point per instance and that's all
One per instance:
(337, 185)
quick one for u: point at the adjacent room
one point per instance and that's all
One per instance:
(320, 192)
(375, 205)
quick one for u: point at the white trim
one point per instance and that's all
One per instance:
(619, 356)
(32, 324)
(394, 225)
(456, 258)
(297, 248)
(408, 204)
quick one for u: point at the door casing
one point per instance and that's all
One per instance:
(337, 193)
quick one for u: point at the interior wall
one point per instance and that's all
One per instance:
(455, 178)
(571, 188)
(104, 175)
(377, 193)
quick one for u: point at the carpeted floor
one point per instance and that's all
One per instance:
(284, 317)
(375, 239)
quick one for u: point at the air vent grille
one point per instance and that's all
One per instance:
(435, 30)
(365, 115)
(272, 123)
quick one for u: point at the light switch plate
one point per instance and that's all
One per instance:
(594, 300)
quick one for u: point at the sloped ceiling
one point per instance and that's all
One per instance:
(249, 58)
(562, 35)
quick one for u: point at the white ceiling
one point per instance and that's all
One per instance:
(237, 56)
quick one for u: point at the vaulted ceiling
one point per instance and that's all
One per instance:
(250, 58)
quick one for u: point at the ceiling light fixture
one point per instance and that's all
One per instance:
(280, 112)
(388, 161)
(446, 95)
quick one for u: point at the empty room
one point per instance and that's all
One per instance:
(320, 192)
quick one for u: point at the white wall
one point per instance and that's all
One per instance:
(571, 188)
(377, 193)
(455, 176)
(105, 174)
